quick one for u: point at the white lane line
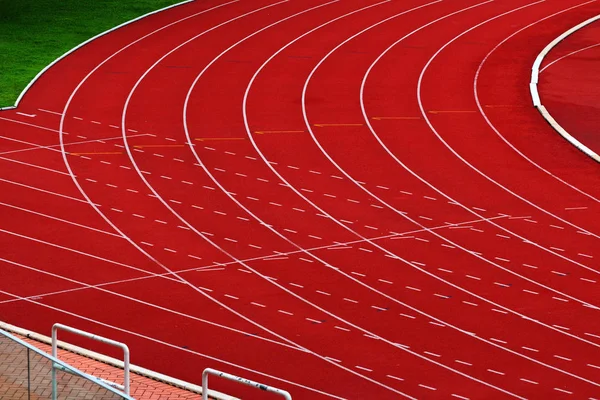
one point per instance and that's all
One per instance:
(529, 381)
(49, 112)
(26, 115)
(493, 371)
(563, 391)
(59, 219)
(43, 190)
(395, 378)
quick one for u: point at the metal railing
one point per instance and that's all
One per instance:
(126, 384)
(243, 381)
(28, 372)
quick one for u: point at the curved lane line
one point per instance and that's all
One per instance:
(568, 55)
(537, 101)
(467, 163)
(386, 251)
(192, 228)
(150, 257)
(483, 113)
(341, 170)
(285, 238)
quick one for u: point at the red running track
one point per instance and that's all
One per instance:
(343, 199)
(569, 85)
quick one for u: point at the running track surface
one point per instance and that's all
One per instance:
(346, 199)
(569, 85)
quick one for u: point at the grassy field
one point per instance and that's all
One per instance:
(35, 32)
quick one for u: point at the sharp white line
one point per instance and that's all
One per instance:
(395, 377)
(26, 115)
(529, 381)
(459, 397)
(563, 391)
(43, 190)
(59, 219)
(592, 335)
(562, 358)
(530, 349)
(49, 112)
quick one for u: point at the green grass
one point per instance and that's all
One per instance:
(35, 32)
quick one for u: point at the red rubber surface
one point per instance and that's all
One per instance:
(569, 85)
(344, 200)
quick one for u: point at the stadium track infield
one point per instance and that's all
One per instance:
(260, 188)
(567, 84)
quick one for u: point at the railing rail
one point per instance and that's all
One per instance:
(56, 363)
(56, 327)
(244, 381)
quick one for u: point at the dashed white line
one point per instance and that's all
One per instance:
(563, 391)
(529, 381)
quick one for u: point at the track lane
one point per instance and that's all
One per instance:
(350, 210)
(146, 346)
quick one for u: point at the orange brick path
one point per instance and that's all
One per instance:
(13, 377)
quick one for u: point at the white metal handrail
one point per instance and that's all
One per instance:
(56, 327)
(60, 364)
(244, 381)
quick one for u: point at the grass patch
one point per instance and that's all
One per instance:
(33, 33)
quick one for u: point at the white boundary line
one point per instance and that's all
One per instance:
(537, 101)
(42, 72)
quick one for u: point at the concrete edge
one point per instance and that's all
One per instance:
(537, 101)
(47, 67)
(212, 394)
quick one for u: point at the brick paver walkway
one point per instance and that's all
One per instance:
(15, 363)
